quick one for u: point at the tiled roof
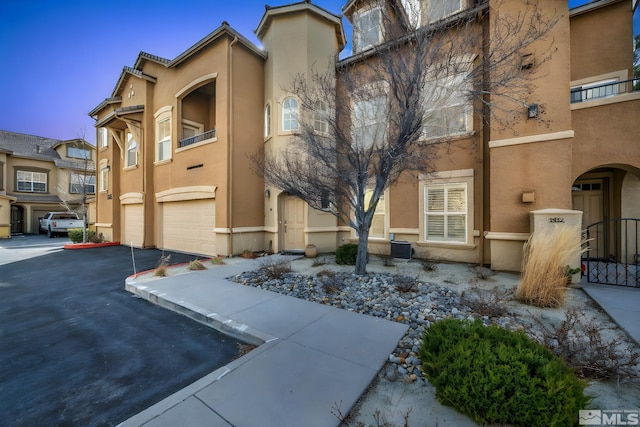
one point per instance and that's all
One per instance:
(29, 146)
(77, 165)
(36, 198)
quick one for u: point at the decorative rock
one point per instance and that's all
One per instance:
(392, 375)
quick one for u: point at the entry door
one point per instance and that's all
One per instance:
(292, 223)
(17, 217)
(588, 197)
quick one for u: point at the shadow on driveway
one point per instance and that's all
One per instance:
(76, 349)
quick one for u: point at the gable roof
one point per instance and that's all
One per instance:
(272, 11)
(38, 148)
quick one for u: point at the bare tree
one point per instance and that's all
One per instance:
(81, 180)
(387, 110)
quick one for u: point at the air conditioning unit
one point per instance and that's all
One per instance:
(401, 249)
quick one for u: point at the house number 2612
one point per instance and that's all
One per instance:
(556, 220)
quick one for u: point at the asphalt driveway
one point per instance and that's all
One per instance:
(76, 349)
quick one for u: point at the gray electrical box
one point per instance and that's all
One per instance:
(401, 249)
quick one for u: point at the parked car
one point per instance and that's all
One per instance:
(59, 223)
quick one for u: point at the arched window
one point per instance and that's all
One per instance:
(267, 120)
(290, 114)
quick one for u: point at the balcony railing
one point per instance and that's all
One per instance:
(605, 90)
(197, 138)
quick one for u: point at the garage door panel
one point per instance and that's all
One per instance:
(187, 226)
(133, 230)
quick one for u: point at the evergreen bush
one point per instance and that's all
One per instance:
(346, 254)
(75, 234)
(495, 375)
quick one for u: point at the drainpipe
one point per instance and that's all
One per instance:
(229, 141)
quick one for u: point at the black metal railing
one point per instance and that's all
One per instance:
(613, 255)
(605, 90)
(197, 138)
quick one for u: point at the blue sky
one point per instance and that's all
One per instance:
(62, 58)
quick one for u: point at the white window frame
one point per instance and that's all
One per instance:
(267, 121)
(104, 180)
(321, 118)
(164, 146)
(290, 114)
(372, 18)
(433, 15)
(103, 137)
(132, 149)
(31, 177)
(459, 179)
(369, 127)
(448, 95)
(79, 180)
(78, 153)
(381, 214)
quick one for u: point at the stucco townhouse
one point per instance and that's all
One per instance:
(39, 175)
(175, 137)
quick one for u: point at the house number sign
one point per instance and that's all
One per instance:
(556, 220)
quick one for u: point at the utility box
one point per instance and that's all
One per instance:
(401, 249)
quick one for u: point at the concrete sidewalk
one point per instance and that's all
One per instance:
(621, 303)
(313, 359)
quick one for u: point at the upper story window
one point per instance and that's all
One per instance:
(439, 9)
(78, 153)
(369, 122)
(321, 117)
(104, 179)
(267, 121)
(163, 138)
(447, 108)
(290, 114)
(82, 184)
(132, 151)
(103, 138)
(367, 29)
(31, 182)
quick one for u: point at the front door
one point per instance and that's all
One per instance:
(17, 219)
(588, 197)
(292, 223)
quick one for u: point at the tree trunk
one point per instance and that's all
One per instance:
(361, 256)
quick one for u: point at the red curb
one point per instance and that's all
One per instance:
(90, 245)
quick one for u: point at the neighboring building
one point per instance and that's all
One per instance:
(39, 175)
(175, 135)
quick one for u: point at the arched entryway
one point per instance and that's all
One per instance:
(17, 219)
(609, 198)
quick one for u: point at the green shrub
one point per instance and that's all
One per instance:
(75, 234)
(498, 376)
(346, 254)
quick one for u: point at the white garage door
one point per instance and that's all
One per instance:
(133, 230)
(187, 226)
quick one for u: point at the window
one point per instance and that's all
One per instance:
(439, 9)
(290, 114)
(321, 117)
(378, 224)
(132, 151)
(103, 138)
(104, 179)
(369, 127)
(447, 109)
(367, 29)
(31, 182)
(79, 183)
(78, 153)
(445, 212)
(1, 176)
(601, 89)
(163, 138)
(267, 121)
